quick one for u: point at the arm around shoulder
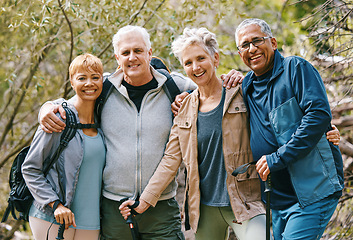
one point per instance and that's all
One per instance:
(48, 121)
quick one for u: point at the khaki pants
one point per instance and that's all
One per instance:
(214, 223)
(157, 223)
(40, 227)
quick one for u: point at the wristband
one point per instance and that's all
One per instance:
(136, 203)
(55, 205)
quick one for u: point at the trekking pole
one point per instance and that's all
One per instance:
(61, 231)
(130, 220)
(268, 190)
(134, 234)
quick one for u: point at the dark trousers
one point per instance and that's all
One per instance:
(157, 223)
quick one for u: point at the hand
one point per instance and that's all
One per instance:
(126, 211)
(63, 213)
(177, 102)
(49, 122)
(231, 79)
(262, 168)
(334, 135)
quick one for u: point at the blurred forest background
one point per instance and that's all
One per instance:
(39, 38)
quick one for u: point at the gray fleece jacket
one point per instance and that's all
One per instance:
(136, 140)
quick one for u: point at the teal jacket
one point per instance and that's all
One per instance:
(300, 116)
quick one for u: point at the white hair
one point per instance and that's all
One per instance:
(199, 36)
(127, 29)
(265, 28)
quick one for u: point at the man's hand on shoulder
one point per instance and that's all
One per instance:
(178, 102)
(232, 78)
(48, 121)
(334, 135)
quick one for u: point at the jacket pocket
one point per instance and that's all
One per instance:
(237, 107)
(183, 122)
(249, 185)
(285, 119)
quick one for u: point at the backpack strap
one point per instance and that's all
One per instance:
(169, 86)
(68, 133)
(106, 90)
(86, 126)
(9, 209)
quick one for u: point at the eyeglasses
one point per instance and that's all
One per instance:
(256, 42)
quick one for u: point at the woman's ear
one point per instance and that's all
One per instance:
(216, 60)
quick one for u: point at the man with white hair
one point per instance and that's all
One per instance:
(136, 120)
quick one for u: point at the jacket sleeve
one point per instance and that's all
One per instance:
(184, 83)
(42, 147)
(57, 102)
(166, 170)
(310, 94)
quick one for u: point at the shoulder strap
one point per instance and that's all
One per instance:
(68, 133)
(169, 86)
(107, 86)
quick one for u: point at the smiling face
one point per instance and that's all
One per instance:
(259, 59)
(87, 84)
(134, 57)
(199, 65)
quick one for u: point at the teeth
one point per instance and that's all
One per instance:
(198, 75)
(89, 91)
(254, 57)
(132, 66)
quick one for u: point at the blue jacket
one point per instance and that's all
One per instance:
(300, 116)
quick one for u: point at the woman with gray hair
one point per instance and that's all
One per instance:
(211, 136)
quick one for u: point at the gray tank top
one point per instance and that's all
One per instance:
(210, 157)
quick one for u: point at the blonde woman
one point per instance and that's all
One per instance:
(71, 190)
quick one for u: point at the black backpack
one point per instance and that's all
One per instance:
(169, 86)
(20, 199)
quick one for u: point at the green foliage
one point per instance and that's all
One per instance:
(40, 38)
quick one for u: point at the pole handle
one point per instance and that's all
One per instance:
(61, 231)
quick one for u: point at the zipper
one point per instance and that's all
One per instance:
(139, 173)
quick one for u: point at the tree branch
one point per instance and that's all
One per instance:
(133, 17)
(346, 147)
(24, 87)
(344, 121)
(18, 147)
(154, 13)
(338, 78)
(67, 82)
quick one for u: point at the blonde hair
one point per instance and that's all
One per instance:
(86, 62)
(200, 36)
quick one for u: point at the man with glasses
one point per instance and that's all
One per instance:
(289, 116)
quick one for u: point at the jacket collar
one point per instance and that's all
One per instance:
(117, 78)
(230, 93)
(277, 69)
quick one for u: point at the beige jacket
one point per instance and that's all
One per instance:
(244, 190)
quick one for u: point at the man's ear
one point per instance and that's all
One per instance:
(117, 60)
(274, 43)
(150, 54)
